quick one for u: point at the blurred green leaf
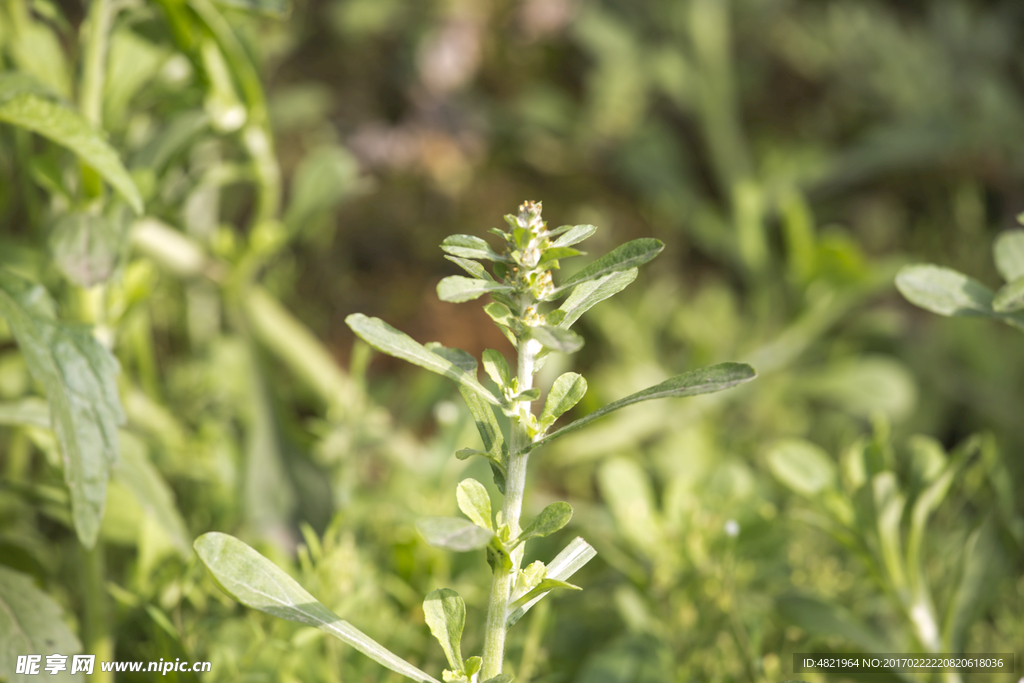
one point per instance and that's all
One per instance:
(383, 337)
(475, 503)
(557, 338)
(825, 619)
(565, 393)
(454, 533)
(256, 582)
(802, 466)
(278, 8)
(551, 519)
(136, 473)
(496, 367)
(31, 623)
(626, 488)
(66, 127)
(1010, 297)
(1008, 251)
(86, 247)
(944, 291)
(982, 563)
(78, 375)
(693, 383)
(445, 613)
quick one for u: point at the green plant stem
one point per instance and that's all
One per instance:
(511, 510)
(96, 636)
(101, 16)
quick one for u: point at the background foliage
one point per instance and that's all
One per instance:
(298, 164)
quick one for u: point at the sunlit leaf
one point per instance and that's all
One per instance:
(78, 376)
(629, 255)
(565, 393)
(1010, 297)
(588, 294)
(551, 519)
(702, 381)
(454, 533)
(457, 288)
(496, 367)
(557, 339)
(445, 613)
(475, 503)
(1008, 251)
(387, 339)
(572, 235)
(256, 582)
(802, 466)
(565, 564)
(468, 246)
(944, 291)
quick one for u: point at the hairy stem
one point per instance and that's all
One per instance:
(515, 483)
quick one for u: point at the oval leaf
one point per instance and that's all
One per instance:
(256, 582)
(572, 235)
(944, 291)
(453, 533)
(1009, 254)
(445, 613)
(702, 381)
(802, 466)
(475, 503)
(468, 246)
(458, 288)
(1010, 297)
(66, 127)
(565, 393)
(551, 519)
(387, 339)
(496, 367)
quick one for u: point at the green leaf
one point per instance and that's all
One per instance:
(496, 367)
(553, 254)
(565, 564)
(276, 8)
(1008, 251)
(457, 288)
(471, 267)
(557, 338)
(31, 623)
(572, 235)
(1010, 296)
(551, 519)
(487, 425)
(66, 127)
(545, 586)
(256, 582)
(593, 292)
(500, 678)
(565, 393)
(802, 466)
(453, 533)
(445, 613)
(78, 376)
(944, 291)
(823, 619)
(629, 255)
(463, 360)
(475, 503)
(86, 247)
(468, 246)
(983, 563)
(701, 381)
(26, 411)
(626, 489)
(387, 339)
(137, 474)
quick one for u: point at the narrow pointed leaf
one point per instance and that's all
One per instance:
(256, 582)
(457, 288)
(557, 339)
(702, 381)
(553, 254)
(1009, 254)
(66, 127)
(565, 564)
(137, 474)
(496, 367)
(387, 339)
(463, 360)
(629, 255)
(468, 246)
(445, 613)
(588, 294)
(573, 235)
(551, 519)
(475, 503)
(487, 426)
(471, 267)
(1010, 297)
(542, 588)
(30, 623)
(565, 393)
(453, 533)
(77, 373)
(944, 291)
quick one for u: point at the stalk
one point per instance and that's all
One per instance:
(511, 510)
(101, 16)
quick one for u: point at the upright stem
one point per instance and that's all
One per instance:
(515, 483)
(101, 16)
